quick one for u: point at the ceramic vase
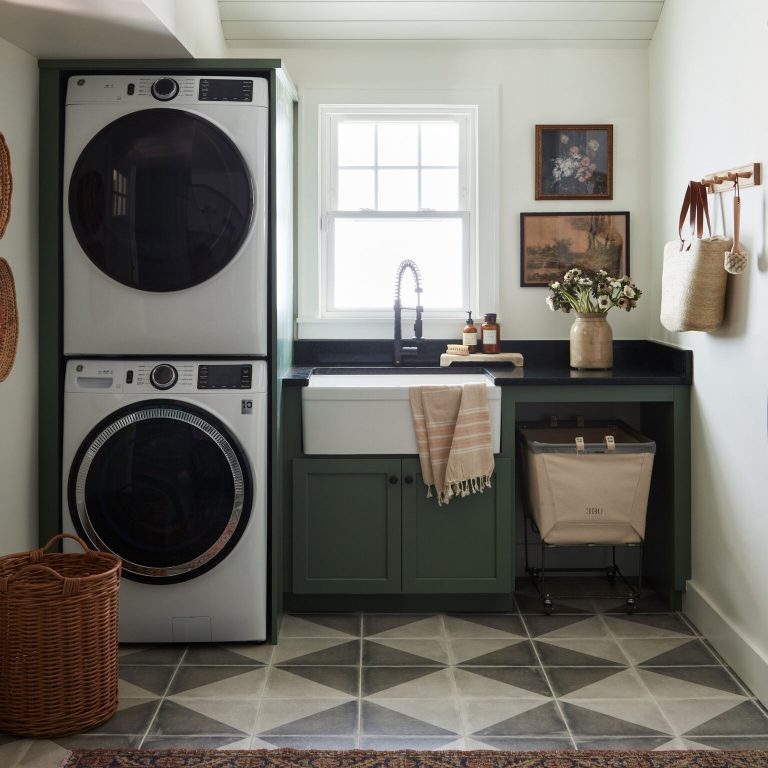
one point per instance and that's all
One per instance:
(591, 341)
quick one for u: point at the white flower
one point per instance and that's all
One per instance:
(585, 281)
(555, 285)
(564, 138)
(601, 272)
(550, 303)
(616, 283)
(629, 291)
(603, 302)
(593, 144)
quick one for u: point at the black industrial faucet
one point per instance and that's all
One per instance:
(400, 350)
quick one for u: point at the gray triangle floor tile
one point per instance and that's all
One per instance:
(399, 743)
(716, 678)
(160, 654)
(87, 741)
(129, 720)
(627, 744)
(519, 654)
(733, 742)
(527, 678)
(348, 623)
(373, 623)
(343, 654)
(175, 720)
(151, 679)
(545, 625)
(746, 719)
(523, 744)
(344, 679)
(587, 722)
(377, 679)
(335, 721)
(648, 625)
(543, 720)
(554, 655)
(381, 721)
(567, 680)
(191, 742)
(312, 742)
(692, 653)
(188, 678)
(378, 654)
(214, 655)
(503, 622)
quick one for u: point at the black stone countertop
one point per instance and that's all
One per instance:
(546, 362)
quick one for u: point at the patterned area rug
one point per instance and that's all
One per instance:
(288, 758)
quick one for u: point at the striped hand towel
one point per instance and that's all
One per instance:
(453, 435)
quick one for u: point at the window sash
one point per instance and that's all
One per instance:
(327, 300)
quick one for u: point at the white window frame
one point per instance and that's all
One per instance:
(478, 108)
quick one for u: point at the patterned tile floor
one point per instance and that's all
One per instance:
(589, 677)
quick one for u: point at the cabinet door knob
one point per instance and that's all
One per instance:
(393, 479)
(408, 479)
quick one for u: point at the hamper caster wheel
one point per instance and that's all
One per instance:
(631, 604)
(548, 607)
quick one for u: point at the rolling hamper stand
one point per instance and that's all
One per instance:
(585, 486)
(58, 640)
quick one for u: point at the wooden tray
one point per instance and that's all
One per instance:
(513, 358)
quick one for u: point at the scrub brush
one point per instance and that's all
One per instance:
(457, 349)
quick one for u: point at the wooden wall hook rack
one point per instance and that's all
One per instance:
(722, 181)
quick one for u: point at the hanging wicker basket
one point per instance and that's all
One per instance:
(6, 185)
(58, 640)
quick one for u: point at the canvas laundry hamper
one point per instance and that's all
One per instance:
(587, 485)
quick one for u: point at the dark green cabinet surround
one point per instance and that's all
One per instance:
(366, 526)
(52, 81)
(462, 556)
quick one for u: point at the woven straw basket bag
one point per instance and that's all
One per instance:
(694, 279)
(9, 316)
(58, 640)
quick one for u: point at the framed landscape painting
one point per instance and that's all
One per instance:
(553, 243)
(574, 162)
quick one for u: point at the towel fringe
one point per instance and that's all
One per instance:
(460, 488)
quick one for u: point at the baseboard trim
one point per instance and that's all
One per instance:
(745, 660)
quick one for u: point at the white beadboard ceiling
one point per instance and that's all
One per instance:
(254, 23)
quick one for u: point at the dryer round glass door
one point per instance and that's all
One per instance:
(163, 486)
(161, 200)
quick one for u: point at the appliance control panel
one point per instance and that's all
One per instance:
(168, 377)
(167, 90)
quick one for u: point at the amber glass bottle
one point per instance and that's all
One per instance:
(490, 335)
(469, 337)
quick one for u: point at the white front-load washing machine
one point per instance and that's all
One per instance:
(164, 464)
(165, 215)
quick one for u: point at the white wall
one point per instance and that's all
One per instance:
(709, 112)
(18, 393)
(538, 85)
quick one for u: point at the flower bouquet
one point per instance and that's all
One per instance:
(586, 292)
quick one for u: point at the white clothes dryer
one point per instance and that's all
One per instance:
(164, 464)
(165, 215)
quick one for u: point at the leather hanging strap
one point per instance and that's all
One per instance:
(736, 217)
(696, 208)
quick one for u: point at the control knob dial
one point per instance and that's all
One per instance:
(163, 376)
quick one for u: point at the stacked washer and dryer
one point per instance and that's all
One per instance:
(165, 335)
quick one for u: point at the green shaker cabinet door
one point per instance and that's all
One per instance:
(462, 547)
(346, 526)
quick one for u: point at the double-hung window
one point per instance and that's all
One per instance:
(398, 184)
(393, 181)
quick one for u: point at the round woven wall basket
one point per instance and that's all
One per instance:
(9, 314)
(6, 185)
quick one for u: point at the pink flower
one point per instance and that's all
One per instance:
(574, 151)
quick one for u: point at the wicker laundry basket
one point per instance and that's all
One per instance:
(58, 640)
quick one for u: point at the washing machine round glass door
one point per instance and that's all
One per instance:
(161, 200)
(164, 486)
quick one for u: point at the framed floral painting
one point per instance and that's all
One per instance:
(574, 162)
(553, 243)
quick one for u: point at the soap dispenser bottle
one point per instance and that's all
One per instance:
(469, 337)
